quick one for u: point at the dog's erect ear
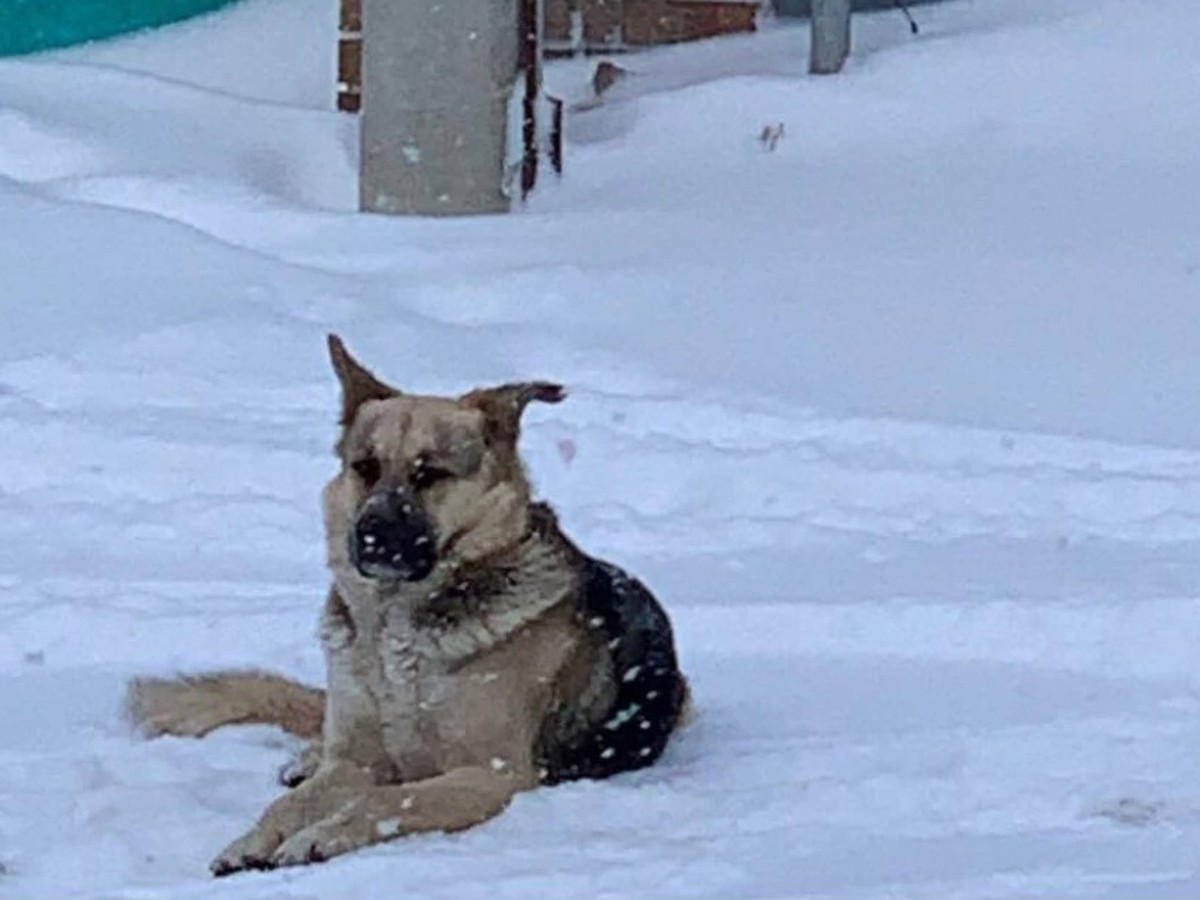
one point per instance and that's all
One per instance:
(358, 384)
(502, 406)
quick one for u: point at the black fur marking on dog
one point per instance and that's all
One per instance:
(650, 689)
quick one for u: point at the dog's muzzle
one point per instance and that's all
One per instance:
(393, 538)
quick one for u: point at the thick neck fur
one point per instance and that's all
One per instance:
(462, 611)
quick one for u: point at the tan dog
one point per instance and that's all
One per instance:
(472, 650)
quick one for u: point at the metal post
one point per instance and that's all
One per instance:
(437, 79)
(830, 36)
(529, 58)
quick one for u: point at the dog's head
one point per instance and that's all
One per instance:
(425, 482)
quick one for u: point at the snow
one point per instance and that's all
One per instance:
(897, 419)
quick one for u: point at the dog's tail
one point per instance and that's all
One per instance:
(193, 705)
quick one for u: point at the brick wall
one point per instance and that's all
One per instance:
(602, 22)
(349, 93)
(668, 21)
(620, 23)
(558, 20)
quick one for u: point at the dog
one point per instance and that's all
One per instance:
(472, 650)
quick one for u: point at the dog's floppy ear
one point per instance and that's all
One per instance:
(502, 406)
(358, 384)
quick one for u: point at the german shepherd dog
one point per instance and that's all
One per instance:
(472, 650)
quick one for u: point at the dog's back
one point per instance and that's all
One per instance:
(646, 696)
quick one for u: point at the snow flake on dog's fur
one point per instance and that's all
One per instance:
(623, 716)
(388, 828)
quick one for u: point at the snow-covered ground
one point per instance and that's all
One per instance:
(900, 420)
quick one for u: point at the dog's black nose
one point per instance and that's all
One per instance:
(392, 538)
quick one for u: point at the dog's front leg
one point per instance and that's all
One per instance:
(328, 791)
(450, 802)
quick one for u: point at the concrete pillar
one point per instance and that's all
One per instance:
(437, 78)
(830, 36)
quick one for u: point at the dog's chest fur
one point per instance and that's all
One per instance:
(417, 689)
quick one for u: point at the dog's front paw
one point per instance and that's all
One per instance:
(317, 843)
(331, 789)
(252, 851)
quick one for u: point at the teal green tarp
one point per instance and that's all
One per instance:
(27, 26)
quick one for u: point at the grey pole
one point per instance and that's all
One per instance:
(830, 36)
(437, 78)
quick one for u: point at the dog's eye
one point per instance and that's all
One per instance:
(368, 469)
(425, 474)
